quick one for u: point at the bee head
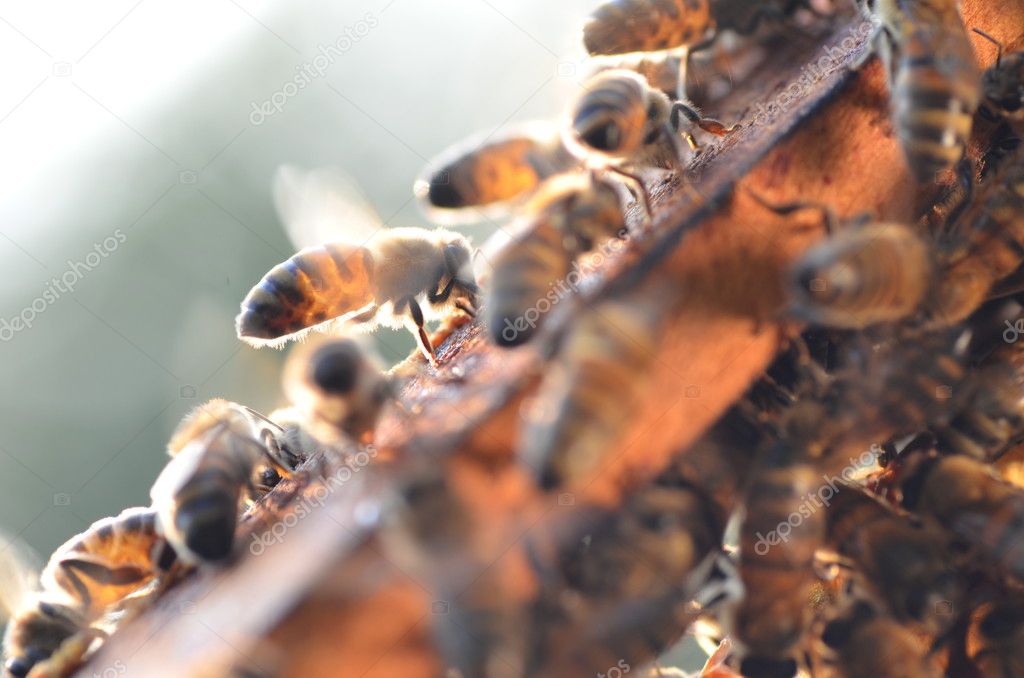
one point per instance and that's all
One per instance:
(611, 117)
(458, 260)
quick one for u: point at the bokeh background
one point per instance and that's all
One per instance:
(138, 142)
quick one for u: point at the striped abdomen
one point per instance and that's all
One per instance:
(529, 279)
(586, 399)
(611, 116)
(744, 16)
(622, 26)
(315, 285)
(102, 565)
(868, 275)
(936, 89)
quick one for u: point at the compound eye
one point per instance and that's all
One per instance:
(18, 667)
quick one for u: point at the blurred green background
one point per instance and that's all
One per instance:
(136, 164)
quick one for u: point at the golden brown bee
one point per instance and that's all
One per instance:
(997, 639)
(991, 423)
(370, 276)
(586, 397)
(337, 387)
(904, 563)
(863, 275)
(966, 497)
(486, 173)
(624, 26)
(935, 82)
(217, 451)
(780, 532)
(1002, 84)
(867, 643)
(619, 119)
(983, 245)
(84, 578)
(566, 219)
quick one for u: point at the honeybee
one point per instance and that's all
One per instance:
(337, 386)
(619, 120)
(864, 275)
(991, 423)
(967, 498)
(373, 276)
(997, 639)
(935, 82)
(776, 569)
(570, 214)
(904, 563)
(217, 451)
(624, 26)
(1002, 84)
(586, 397)
(867, 643)
(85, 578)
(486, 173)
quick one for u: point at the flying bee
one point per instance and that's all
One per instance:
(394, 277)
(934, 80)
(865, 642)
(904, 563)
(966, 497)
(337, 386)
(620, 120)
(777, 571)
(217, 451)
(997, 639)
(484, 175)
(1002, 84)
(624, 26)
(570, 214)
(586, 398)
(86, 577)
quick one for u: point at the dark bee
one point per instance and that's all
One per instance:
(935, 82)
(997, 640)
(1002, 84)
(569, 216)
(867, 643)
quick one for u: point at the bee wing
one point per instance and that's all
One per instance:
(317, 286)
(19, 575)
(322, 205)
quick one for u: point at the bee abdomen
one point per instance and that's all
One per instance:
(315, 285)
(526, 284)
(206, 514)
(611, 117)
(621, 26)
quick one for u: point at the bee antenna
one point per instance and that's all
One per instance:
(789, 208)
(998, 44)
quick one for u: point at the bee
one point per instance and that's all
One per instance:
(997, 638)
(86, 577)
(991, 423)
(565, 220)
(337, 386)
(218, 450)
(904, 563)
(395, 277)
(867, 643)
(619, 119)
(586, 397)
(624, 26)
(935, 82)
(486, 173)
(1002, 84)
(776, 569)
(966, 497)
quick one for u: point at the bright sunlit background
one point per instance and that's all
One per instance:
(138, 142)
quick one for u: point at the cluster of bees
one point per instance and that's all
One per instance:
(908, 564)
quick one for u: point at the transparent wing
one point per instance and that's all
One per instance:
(19, 574)
(322, 205)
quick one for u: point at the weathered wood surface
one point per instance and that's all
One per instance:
(330, 595)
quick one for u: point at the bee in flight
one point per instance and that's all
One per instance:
(485, 174)
(362, 275)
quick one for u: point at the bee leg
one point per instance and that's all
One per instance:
(464, 306)
(831, 223)
(416, 314)
(639, 189)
